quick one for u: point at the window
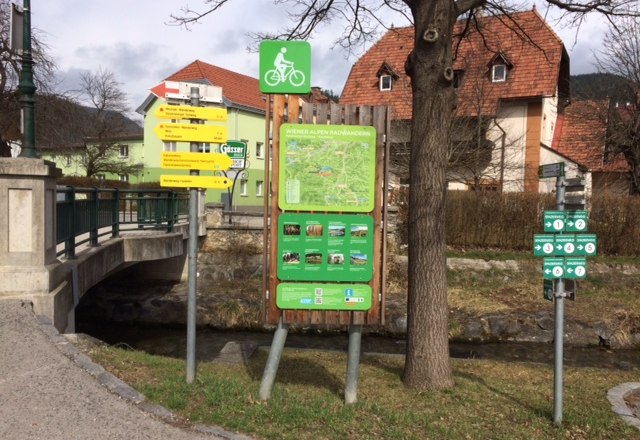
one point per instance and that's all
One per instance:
(169, 146)
(260, 150)
(385, 82)
(499, 73)
(124, 151)
(204, 147)
(124, 177)
(243, 187)
(259, 188)
(68, 161)
(458, 75)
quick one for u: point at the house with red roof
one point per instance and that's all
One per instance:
(580, 141)
(245, 106)
(511, 75)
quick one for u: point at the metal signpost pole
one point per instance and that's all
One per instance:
(559, 322)
(353, 364)
(193, 258)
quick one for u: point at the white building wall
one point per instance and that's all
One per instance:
(549, 118)
(512, 119)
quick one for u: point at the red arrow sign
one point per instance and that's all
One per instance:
(161, 90)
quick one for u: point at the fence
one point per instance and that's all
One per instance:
(98, 212)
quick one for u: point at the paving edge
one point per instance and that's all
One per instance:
(619, 406)
(122, 389)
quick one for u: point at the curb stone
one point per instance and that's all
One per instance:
(618, 405)
(120, 388)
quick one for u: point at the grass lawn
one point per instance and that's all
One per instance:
(490, 400)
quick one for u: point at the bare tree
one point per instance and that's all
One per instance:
(430, 67)
(621, 57)
(9, 75)
(102, 124)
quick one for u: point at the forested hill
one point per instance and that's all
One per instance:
(599, 86)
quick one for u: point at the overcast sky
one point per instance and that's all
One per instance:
(131, 39)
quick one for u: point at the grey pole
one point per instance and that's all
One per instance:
(193, 259)
(353, 364)
(27, 88)
(559, 323)
(270, 370)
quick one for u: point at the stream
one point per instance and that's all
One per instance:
(170, 340)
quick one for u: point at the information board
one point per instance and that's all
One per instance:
(318, 296)
(327, 168)
(325, 247)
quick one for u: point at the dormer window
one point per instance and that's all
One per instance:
(386, 76)
(386, 81)
(499, 73)
(500, 67)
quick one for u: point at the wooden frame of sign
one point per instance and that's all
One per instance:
(291, 109)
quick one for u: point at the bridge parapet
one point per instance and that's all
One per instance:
(29, 251)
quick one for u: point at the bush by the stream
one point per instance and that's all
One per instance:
(509, 220)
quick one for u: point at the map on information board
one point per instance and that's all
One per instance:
(327, 168)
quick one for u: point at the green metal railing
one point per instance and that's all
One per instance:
(98, 212)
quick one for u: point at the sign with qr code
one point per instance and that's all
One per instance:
(325, 296)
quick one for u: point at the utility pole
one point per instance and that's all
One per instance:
(27, 87)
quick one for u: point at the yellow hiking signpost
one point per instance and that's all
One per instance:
(192, 133)
(195, 161)
(191, 112)
(215, 182)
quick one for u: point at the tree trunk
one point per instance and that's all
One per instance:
(430, 64)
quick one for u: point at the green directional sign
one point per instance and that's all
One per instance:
(323, 296)
(586, 245)
(543, 245)
(553, 268)
(575, 221)
(575, 268)
(554, 221)
(565, 244)
(285, 67)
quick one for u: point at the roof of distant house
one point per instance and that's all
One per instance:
(237, 89)
(580, 136)
(534, 54)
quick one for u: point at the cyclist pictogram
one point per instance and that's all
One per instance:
(285, 67)
(284, 71)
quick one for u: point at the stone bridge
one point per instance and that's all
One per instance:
(30, 268)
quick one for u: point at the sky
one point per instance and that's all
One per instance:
(132, 40)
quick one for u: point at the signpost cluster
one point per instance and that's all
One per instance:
(195, 161)
(564, 248)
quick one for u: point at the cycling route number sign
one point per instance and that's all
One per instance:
(285, 67)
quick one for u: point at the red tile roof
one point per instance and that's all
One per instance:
(239, 89)
(580, 136)
(524, 39)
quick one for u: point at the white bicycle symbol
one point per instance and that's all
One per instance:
(295, 77)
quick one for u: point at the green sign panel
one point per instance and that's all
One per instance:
(586, 245)
(543, 245)
(325, 296)
(575, 221)
(554, 221)
(575, 268)
(551, 170)
(564, 245)
(553, 268)
(327, 168)
(237, 151)
(548, 289)
(325, 247)
(285, 67)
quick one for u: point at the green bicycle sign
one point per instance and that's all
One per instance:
(285, 67)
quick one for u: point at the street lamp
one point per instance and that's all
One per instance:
(27, 87)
